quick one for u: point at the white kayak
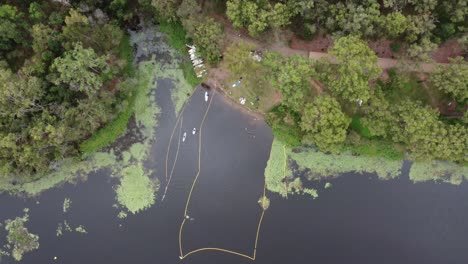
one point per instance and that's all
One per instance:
(184, 136)
(194, 131)
(206, 96)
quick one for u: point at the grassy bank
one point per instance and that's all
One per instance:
(117, 127)
(177, 38)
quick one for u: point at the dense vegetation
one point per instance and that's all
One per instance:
(356, 109)
(59, 73)
(359, 111)
(65, 65)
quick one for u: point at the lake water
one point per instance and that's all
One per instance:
(360, 219)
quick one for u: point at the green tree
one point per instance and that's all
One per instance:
(11, 27)
(291, 76)
(121, 9)
(351, 18)
(208, 37)
(378, 115)
(357, 66)
(421, 48)
(80, 69)
(417, 127)
(395, 24)
(19, 95)
(419, 26)
(324, 123)
(452, 79)
(35, 11)
(166, 8)
(189, 14)
(257, 15)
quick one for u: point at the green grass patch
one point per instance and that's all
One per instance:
(376, 148)
(285, 125)
(402, 86)
(357, 126)
(117, 127)
(110, 132)
(126, 53)
(137, 103)
(290, 135)
(176, 34)
(189, 74)
(177, 38)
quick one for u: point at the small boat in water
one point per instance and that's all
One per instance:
(184, 136)
(206, 96)
(194, 131)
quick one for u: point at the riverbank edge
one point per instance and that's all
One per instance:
(75, 169)
(287, 164)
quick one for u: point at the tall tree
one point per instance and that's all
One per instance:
(80, 69)
(208, 37)
(324, 123)
(357, 66)
(19, 95)
(166, 8)
(291, 76)
(452, 79)
(12, 27)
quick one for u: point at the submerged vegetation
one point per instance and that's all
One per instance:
(20, 241)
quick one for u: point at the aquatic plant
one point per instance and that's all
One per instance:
(66, 205)
(276, 170)
(136, 192)
(67, 226)
(81, 229)
(122, 215)
(321, 165)
(438, 170)
(59, 230)
(19, 237)
(311, 192)
(328, 185)
(264, 202)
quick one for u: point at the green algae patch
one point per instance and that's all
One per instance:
(20, 241)
(317, 165)
(69, 170)
(277, 170)
(136, 192)
(438, 170)
(320, 165)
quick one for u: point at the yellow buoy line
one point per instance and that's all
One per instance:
(175, 160)
(182, 255)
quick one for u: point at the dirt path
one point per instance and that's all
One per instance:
(281, 46)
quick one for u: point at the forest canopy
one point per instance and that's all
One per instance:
(60, 66)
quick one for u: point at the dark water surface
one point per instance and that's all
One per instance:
(358, 220)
